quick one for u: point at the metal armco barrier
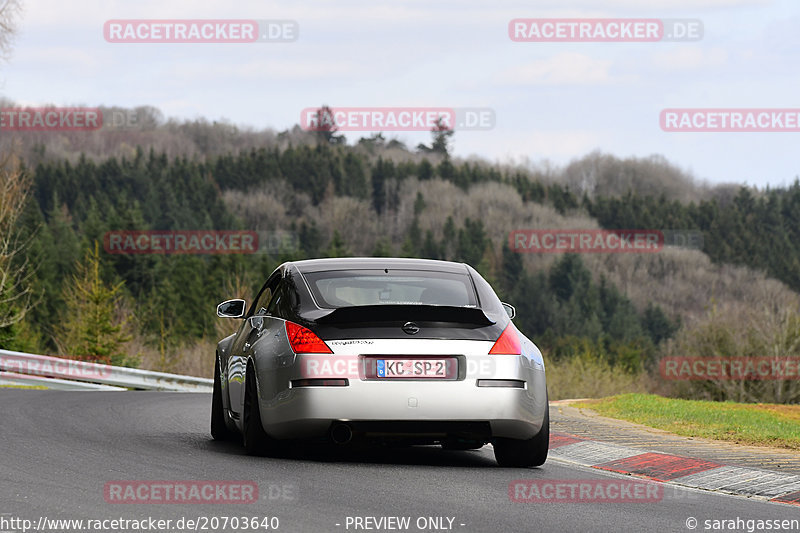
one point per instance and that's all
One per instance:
(12, 378)
(56, 372)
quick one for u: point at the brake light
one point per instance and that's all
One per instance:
(303, 340)
(508, 343)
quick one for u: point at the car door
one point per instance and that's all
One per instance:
(243, 343)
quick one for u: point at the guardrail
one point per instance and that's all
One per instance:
(20, 368)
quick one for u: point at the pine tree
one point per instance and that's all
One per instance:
(379, 187)
(94, 326)
(512, 269)
(382, 249)
(337, 246)
(425, 170)
(657, 325)
(355, 178)
(430, 248)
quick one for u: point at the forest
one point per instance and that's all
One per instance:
(607, 316)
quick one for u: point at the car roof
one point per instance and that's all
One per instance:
(360, 263)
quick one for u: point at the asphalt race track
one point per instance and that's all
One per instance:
(60, 449)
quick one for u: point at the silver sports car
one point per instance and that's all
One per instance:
(409, 350)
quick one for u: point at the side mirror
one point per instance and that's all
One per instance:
(231, 309)
(509, 309)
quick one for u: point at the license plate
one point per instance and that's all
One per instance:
(411, 368)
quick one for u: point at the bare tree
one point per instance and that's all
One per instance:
(9, 11)
(599, 174)
(15, 275)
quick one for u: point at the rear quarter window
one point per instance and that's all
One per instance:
(349, 288)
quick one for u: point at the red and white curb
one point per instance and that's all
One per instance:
(685, 471)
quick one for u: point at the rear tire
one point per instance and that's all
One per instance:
(524, 453)
(256, 441)
(219, 429)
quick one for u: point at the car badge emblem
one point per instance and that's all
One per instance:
(411, 328)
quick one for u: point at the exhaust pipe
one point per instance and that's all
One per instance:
(341, 433)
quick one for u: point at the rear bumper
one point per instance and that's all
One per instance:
(410, 407)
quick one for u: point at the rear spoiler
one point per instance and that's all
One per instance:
(404, 313)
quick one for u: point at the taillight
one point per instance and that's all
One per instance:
(508, 343)
(303, 340)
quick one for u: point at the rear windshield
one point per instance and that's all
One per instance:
(348, 288)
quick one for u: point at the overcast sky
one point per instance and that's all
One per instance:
(553, 101)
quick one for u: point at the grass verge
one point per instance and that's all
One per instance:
(752, 424)
(588, 376)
